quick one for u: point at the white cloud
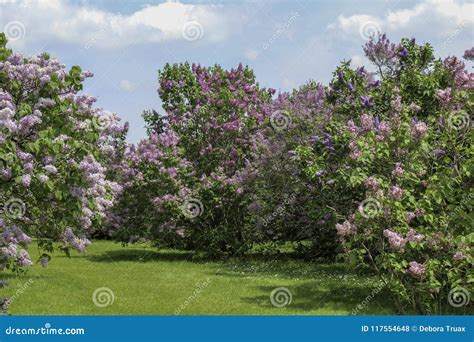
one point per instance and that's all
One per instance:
(439, 16)
(288, 83)
(348, 24)
(92, 27)
(251, 54)
(358, 61)
(127, 86)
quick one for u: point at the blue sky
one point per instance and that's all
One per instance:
(286, 42)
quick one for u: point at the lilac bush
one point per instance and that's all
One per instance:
(285, 205)
(53, 145)
(405, 139)
(189, 172)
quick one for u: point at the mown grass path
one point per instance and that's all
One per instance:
(145, 281)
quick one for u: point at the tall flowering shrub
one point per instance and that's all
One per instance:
(408, 159)
(283, 202)
(53, 147)
(197, 156)
(154, 178)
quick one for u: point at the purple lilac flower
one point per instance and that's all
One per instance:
(51, 169)
(413, 236)
(458, 256)
(418, 129)
(345, 228)
(419, 212)
(403, 52)
(444, 96)
(416, 270)
(438, 153)
(396, 192)
(414, 107)
(410, 216)
(26, 180)
(367, 122)
(398, 171)
(366, 101)
(469, 54)
(381, 49)
(23, 259)
(372, 184)
(396, 241)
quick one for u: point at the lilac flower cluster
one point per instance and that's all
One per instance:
(69, 239)
(397, 242)
(416, 270)
(12, 243)
(346, 228)
(462, 78)
(469, 54)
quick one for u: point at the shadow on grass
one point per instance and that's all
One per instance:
(135, 255)
(253, 265)
(144, 255)
(342, 297)
(288, 268)
(7, 277)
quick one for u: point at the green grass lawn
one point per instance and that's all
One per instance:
(145, 281)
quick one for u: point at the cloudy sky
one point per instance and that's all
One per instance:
(286, 42)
